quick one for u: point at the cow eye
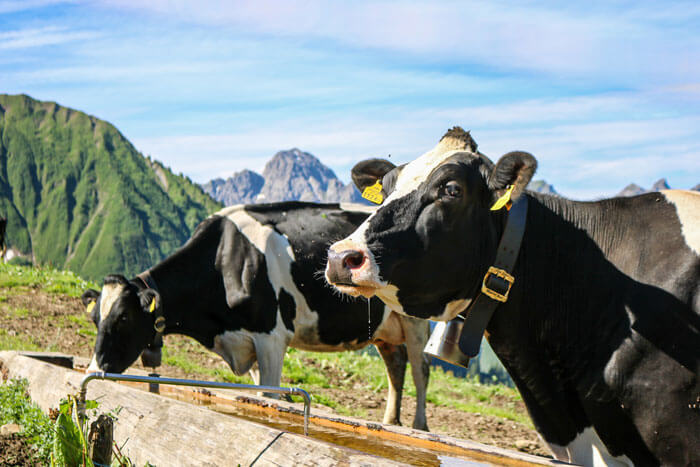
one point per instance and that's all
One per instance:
(452, 189)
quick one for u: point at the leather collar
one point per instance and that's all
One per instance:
(497, 281)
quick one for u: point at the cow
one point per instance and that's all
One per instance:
(248, 284)
(600, 329)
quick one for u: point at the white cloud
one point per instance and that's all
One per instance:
(627, 42)
(39, 37)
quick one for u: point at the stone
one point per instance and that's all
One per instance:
(10, 429)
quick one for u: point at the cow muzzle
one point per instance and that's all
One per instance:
(352, 271)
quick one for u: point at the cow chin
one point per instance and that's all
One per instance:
(357, 290)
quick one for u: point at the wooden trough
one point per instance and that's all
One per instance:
(250, 431)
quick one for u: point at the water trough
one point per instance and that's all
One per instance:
(192, 426)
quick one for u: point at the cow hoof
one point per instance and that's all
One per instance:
(421, 426)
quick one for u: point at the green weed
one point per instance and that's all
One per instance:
(16, 342)
(49, 279)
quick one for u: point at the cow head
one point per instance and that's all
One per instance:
(125, 318)
(425, 250)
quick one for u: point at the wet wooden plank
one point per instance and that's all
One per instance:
(168, 432)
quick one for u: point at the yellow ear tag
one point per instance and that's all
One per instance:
(153, 306)
(374, 193)
(90, 306)
(503, 200)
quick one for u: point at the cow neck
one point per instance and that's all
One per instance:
(497, 282)
(184, 304)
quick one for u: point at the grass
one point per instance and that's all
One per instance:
(17, 342)
(16, 278)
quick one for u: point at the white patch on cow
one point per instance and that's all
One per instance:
(589, 450)
(687, 205)
(452, 309)
(110, 293)
(93, 365)
(237, 349)
(389, 294)
(242, 348)
(416, 172)
(357, 207)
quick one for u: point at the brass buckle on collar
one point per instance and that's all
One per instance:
(159, 324)
(500, 273)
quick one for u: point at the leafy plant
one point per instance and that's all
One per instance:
(70, 445)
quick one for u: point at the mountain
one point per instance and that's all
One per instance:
(662, 184)
(541, 186)
(78, 195)
(242, 187)
(289, 175)
(632, 190)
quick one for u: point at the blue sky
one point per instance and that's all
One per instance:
(603, 93)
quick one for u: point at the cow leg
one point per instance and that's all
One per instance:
(395, 360)
(417, 332)
(270, 350)
(254, 373)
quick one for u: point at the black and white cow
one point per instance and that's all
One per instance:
(247, 285)
(601, 332)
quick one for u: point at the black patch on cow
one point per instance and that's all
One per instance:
(311, 228)
(288, 309)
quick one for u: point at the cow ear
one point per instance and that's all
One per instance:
(150, 300)
(89, 296)
(368, 172)
(89, 299)
(511, 175)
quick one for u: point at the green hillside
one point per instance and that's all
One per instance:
(78, 195)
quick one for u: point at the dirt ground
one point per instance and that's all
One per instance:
(58, 323)
(15, 451)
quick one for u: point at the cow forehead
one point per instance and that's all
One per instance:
(109, 295)
(416, 172)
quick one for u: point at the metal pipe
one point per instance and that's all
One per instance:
(191, 382)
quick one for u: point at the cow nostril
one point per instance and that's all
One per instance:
(353, 259)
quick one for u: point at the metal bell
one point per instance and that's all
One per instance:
(444, 342)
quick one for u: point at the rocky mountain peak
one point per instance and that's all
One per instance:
(241, 187)
(632, 190)
(290, 175)
(660, 184)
